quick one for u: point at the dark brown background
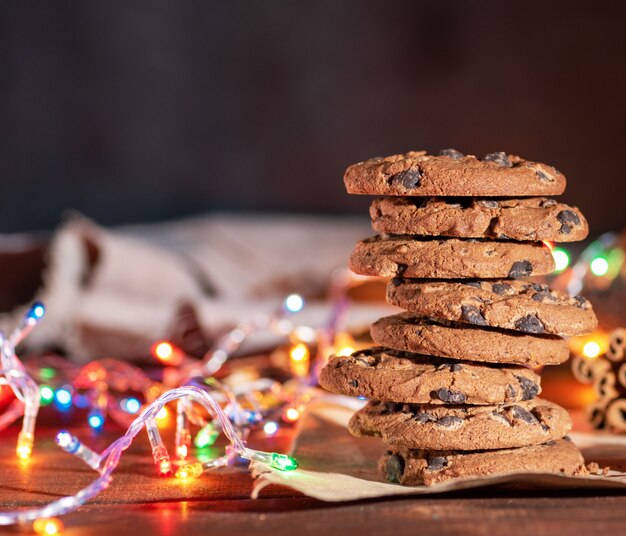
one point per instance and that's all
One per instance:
(138, 111)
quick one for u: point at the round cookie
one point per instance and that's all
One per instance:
(449, 258)
(390, 375)
(534, 218)
(432, 427)
(417, 173)
(421, 335)
(502, 303)
(418, 467)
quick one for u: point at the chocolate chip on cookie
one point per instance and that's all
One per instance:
(568, 219)
(394, 468)
(530, 389)
(449, 396)
(521, 269)
(471, 314)
(530, 324)
(437, 463)
(451, 153)
(499, 158)
(409, 178)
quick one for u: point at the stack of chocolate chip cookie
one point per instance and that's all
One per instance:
(451, 388)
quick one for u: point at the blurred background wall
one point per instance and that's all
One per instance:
(140, 111)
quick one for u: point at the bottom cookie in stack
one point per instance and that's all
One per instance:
(448, 419)
(419, 467)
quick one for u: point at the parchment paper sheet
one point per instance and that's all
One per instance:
(334, 466)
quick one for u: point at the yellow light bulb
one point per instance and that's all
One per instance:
(299, 352)
(299, 360)
(292, 414)
(182, 451)
(24, 445)
(344, 344)
(189, 471)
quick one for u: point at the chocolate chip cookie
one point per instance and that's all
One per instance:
(451, 173)
(418, 467)
(391, 375)
(421, 335)
(450, 258)
(503, 303)
(463, 427)
(535, 218)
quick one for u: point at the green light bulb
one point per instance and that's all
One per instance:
(599, 266)
(206, 437)
(47, 373)
(47, 394)
(561, 259)
(282, 462)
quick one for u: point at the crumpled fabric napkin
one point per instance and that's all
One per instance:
(114, 292)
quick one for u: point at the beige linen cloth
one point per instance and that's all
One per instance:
(334, 466)
(113, 292)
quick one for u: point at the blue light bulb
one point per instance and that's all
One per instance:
(293, 303)
(96, 421)
(130, 405)
(67, 441)
(35, 313)
(63, 398)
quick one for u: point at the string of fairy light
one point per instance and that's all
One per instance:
(202, 403)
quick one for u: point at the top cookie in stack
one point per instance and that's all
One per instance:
(451, 173)
(448, 385)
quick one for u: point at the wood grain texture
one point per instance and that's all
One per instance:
(139, 502)
(524, 516)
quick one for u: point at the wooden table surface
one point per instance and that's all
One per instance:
(139, 502)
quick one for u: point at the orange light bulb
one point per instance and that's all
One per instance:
(165, 468)
(167, 353)
(591, 349)
(46, 527)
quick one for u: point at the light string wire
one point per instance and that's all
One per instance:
(23, 386)
(110, 457)
(28, 395)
